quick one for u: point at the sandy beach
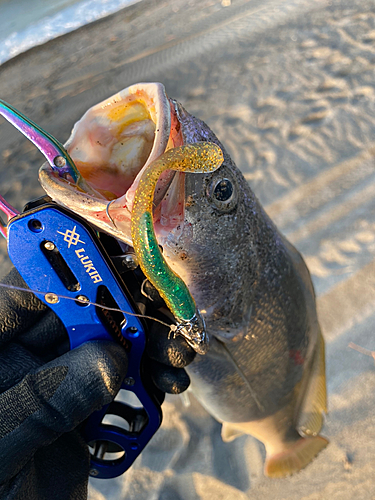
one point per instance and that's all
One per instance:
(289, 88)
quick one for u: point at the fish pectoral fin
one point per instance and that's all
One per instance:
(310, 419)
(229, 433)
(295, 457)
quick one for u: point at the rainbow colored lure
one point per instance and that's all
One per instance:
(196, 158)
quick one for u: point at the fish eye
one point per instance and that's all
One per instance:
(223, 190)
(222, 193)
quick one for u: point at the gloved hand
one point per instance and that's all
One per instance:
(47, 391)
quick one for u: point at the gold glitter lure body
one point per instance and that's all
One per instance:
(199, 158)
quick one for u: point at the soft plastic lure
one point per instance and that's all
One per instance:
(199, 157)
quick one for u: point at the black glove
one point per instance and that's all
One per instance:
(168, 356)
(47, 391)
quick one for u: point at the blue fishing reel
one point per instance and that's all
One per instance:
(58, 253)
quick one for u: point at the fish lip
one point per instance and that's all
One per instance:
(178, 109)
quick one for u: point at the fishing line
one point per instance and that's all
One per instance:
(172, 327)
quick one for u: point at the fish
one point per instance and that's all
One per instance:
(264, 372)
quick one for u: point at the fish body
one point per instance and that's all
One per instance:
(264, 373)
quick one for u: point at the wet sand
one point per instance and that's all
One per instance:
(289, 89)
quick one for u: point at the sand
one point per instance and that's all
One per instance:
(289, 88)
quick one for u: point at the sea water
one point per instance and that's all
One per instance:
(26, 23)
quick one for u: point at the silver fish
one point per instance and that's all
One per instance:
(264, 374)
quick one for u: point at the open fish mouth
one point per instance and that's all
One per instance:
(111, 145)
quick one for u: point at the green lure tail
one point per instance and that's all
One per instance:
(200, 157)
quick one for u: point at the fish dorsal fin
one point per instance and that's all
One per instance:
(310, 419)
(229, 433)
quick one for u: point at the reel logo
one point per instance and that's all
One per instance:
(73, 238)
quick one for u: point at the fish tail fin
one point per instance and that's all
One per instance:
(295, 457)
